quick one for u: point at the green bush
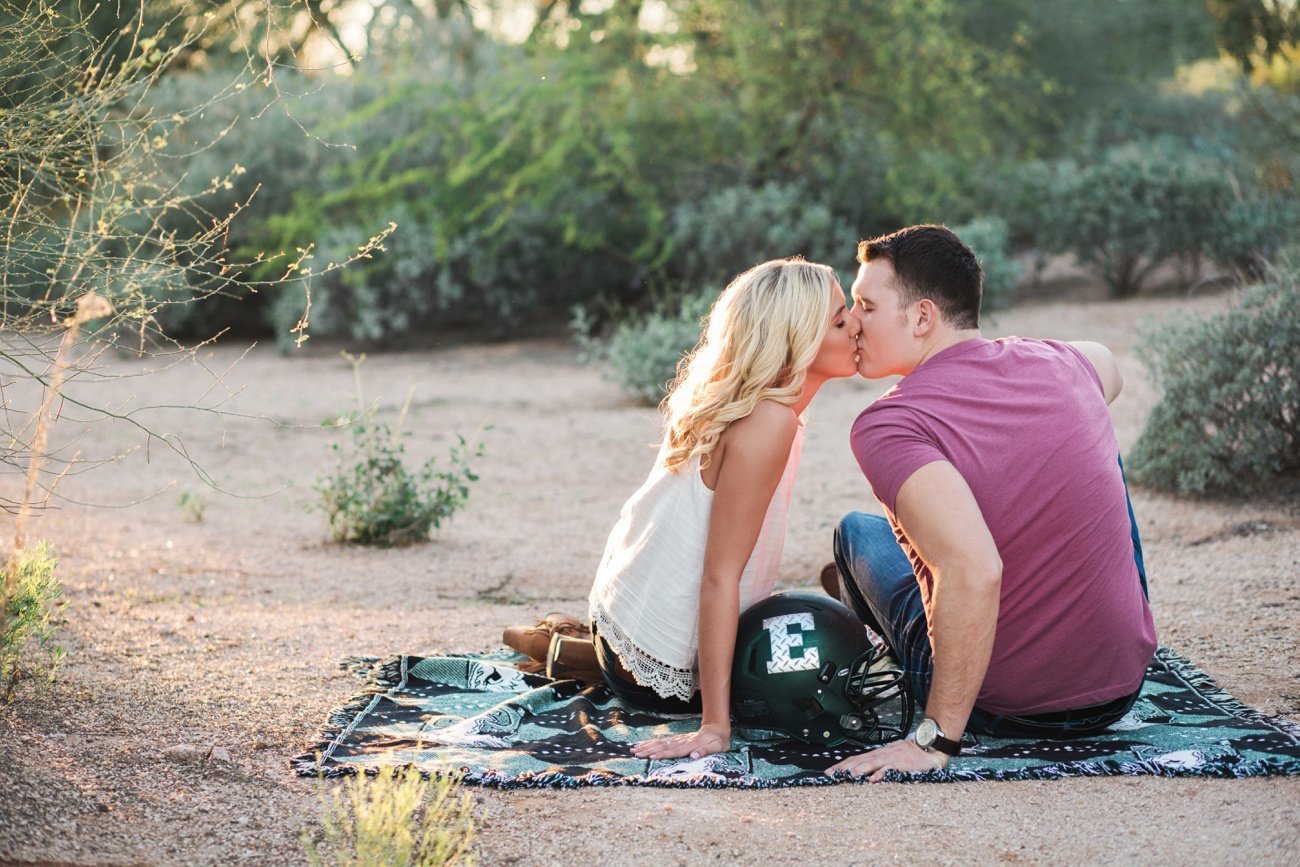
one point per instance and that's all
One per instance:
(1135, 208)
(1252, 233)
(737, 227)
(30, 595)
(391, 820)
(987, 236)
(643, 351)
(373, 498)
(1228, 421)
(509, 193)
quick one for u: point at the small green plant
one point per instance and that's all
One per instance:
(642, 353)
(373, 498)
(192, 505)
(30, 596)
(1228, 421)
(394, 820)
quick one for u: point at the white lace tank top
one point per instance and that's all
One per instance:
(646, 598)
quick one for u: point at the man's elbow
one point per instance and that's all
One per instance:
(984, 576)
(975, 578)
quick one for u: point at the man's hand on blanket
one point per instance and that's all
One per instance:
(711, 738)
(900, 756)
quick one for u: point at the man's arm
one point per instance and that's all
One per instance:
(1103, 361)
(940, 516)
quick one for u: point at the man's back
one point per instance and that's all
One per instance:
(1025, 423)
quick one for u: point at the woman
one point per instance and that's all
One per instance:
(701, 540)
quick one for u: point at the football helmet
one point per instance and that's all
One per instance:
(805, 666)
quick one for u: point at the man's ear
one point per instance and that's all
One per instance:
(927, 317)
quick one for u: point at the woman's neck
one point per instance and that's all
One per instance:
(810, 388)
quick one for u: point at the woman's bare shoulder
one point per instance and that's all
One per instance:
(768, 425)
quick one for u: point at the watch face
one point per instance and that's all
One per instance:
(926, 732)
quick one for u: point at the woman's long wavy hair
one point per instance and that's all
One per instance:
(761, 336)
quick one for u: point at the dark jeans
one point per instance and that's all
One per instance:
(877, 582)
(633, 693)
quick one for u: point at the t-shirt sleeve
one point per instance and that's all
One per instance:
(1080, 360)
(890, 445)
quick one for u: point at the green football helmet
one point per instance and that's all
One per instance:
(805, 666)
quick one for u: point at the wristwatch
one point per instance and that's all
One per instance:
(930, 737)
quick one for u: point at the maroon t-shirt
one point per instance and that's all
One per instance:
(1026, 425)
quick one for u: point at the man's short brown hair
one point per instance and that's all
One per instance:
(932, 262)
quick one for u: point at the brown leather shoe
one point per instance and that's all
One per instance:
(534, 641)
(572, 658)
(830, 578)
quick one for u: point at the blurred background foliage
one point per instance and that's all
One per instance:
(386, 171)
(535, 155)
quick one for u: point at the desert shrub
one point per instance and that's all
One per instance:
(1135, 208)
(987, 236)
(1228, 420)
(374, 498)
(1252, 233)
(643, 351)
(1021, 194)
(30, 595)
(394, 819)
(736, 227)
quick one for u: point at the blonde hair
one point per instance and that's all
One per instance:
(761, 336)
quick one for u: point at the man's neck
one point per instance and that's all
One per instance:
(945, 338)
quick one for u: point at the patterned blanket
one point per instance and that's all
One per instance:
(480, 717)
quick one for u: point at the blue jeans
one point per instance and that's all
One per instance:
(877, 582)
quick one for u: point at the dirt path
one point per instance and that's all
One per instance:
(226, 631)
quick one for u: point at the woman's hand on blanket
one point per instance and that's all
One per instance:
(711, 738)
(900, 756)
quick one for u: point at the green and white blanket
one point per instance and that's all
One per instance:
(477, 716)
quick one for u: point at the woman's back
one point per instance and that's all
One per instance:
(645, 600)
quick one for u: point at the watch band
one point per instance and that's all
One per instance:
(946, 746)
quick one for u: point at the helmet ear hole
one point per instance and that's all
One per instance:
(810, 706)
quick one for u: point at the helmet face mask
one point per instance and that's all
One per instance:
(805, 666)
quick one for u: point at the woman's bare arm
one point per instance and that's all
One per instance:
(756, 451)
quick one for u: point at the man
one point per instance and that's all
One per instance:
(1007, 575)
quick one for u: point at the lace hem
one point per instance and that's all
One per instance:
(667, 681)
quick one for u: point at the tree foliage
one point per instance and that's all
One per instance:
(109, 241)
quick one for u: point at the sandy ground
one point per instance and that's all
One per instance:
(225, 631)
